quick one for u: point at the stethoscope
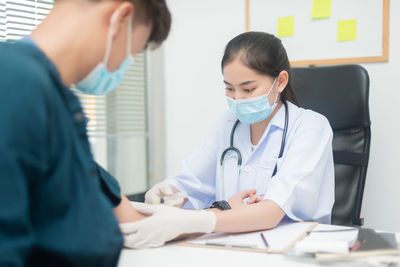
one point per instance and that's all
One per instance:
(239, 155)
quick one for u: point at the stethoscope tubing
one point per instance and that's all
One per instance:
(237, 151)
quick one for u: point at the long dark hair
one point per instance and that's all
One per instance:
(263, 53)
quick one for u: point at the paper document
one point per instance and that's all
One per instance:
(285, 26)
(328, 239)
(321, 9)
(346, 30)
(279, 239)
(370, 243)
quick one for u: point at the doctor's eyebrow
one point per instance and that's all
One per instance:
(241, 84)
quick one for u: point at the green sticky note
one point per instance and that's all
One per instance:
(285, 26)
(321, 9)
(347, 30)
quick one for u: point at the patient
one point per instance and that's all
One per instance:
(56, 202)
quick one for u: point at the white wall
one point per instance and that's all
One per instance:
(126, 160)
(194, 96)
(381, 206)
(193, 80)
(156, 116)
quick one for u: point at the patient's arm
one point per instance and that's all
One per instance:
(125, 211)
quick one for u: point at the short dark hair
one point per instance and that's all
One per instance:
(263, 53)
(155, 12)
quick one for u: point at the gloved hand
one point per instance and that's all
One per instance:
(165, 224)
(163, 189)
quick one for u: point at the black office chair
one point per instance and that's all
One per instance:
(341, 94)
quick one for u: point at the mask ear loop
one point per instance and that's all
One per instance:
(272, 86)
(276, 97)
(109, 37)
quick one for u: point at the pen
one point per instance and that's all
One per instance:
(238, 245)
(264, 240)
(357, 245)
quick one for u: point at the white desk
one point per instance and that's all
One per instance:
(176, 256)
(179, 256)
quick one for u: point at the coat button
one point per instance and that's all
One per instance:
(247, 168)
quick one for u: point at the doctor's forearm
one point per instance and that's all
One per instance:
(263, 215)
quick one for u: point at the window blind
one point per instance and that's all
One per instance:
(122, 112)
(20, 17)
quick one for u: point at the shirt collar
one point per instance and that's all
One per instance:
(279, 119)
(27, 40)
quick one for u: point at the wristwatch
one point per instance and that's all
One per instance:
(221, 205)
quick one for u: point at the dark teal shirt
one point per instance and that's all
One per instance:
(55, 201)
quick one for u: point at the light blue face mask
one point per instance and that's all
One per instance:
(252, 110)
(100, 81)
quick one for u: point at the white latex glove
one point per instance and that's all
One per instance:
(159, 190)
(165, 224)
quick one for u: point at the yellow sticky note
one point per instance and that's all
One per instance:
(285, 26)
(347, 30)
(321, 9)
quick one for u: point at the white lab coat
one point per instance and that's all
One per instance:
(303, 185)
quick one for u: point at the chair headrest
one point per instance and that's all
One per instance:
(340, 93)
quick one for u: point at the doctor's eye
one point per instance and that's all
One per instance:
(229, 89)
(249, 90)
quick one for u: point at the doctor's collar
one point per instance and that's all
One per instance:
(27, 39)
(279, 119)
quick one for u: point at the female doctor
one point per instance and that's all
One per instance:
(265, 160)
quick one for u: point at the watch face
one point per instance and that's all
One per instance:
(222, 205)
(225, 205)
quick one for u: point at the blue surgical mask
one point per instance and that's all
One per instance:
(252, 110)
(100, 81)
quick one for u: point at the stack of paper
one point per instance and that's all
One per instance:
(370, 243)
(333, 243)
(328, 239)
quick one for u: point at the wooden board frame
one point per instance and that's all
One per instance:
(382, 58)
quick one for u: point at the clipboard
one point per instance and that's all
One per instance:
(280, 239)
